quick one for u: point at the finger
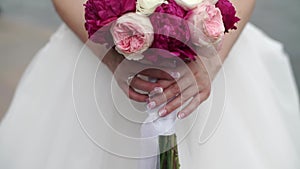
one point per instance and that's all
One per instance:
(143, 85)
(166, 83)
(132, 94)
(193, 105)
(178, 101)
(160, 74)
(172, 91)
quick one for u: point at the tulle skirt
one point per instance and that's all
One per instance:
(251, 119)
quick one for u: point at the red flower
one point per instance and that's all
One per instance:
(228, 13)
(99, 14)
(171, 32)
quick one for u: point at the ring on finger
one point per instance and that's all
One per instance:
(130, 78)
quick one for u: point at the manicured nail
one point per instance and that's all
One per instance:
(151, 105)
(175, 75)
(162, 112)
(181, 115)
(157, 90)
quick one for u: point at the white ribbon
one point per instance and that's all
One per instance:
(155, 126)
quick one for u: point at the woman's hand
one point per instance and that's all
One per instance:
(72, 13)
(194, 82)
(132, 76)
(201, 88)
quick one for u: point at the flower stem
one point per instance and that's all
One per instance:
(169, 152)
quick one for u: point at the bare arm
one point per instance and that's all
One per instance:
(72, 13)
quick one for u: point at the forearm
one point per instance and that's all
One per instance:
(244, 11)
(72, 13)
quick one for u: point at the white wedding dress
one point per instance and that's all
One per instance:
(68, 113)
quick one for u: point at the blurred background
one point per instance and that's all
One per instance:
(25, 26)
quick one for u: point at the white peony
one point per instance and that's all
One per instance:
(191, 4)
(147, 7)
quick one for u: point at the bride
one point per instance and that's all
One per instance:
(69, 112)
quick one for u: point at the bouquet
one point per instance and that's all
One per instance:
(183, 28)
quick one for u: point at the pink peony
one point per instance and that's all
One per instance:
(206, 25)
(171, 32)
(228, 13)
(133, 35)
(100, 13)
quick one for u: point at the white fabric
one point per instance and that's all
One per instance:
(54, 120)
(154, 126)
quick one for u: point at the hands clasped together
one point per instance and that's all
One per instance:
(177, 85)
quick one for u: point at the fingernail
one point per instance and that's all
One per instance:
(181, 115)
(175, 75)
(156, 90)
(162, 112)
(151, 105)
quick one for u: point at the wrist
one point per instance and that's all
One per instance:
(112, 59)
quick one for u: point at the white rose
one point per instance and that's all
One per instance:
(147, 7)
(190, 4)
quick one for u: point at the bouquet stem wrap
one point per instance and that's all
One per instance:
(165, 142)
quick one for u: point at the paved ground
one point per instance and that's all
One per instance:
(18, 43)
(25, 27)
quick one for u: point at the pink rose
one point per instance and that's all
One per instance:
(133, 35)
(206, 25)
